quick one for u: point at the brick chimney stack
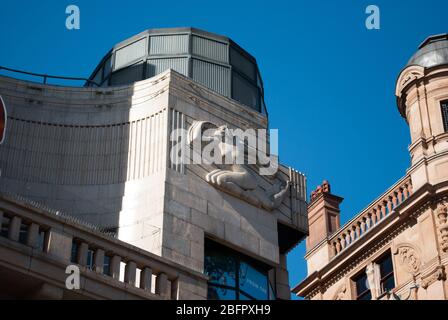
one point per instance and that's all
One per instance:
(323, 214)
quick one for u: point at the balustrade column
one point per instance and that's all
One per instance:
(353, 233)
(130, 273)
(33, 234)
(338, 246)
(342, 240)
(146, 279)
(383, 209)
(394, 200)
(368, 221)
(357, 230)
(98, 261)
(373, 217)
(162, 285)
(400, 195)
(389, 204)
(14, 228)
(82, 253)
(363, 226)
(115, 267)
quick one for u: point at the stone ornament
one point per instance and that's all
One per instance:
(341, 293)
(408, 75)
(237, 179)
(408, 257)
(442, 226)
(437, 275)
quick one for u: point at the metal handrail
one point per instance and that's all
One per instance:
(46, 76)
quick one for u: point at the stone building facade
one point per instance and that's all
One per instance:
(397, 248)
(101, 156)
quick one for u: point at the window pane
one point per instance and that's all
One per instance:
(386, 266)
(5, 226)
(444, 106)
(106, 268)
(90, 259)
(23, 233)
(244, 297)
(74, 255)
(361, 284)
(220, 268)
(217, 293)
(366, 296)
(253, 281)
(388, 284)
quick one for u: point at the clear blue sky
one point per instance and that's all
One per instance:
(329, 81)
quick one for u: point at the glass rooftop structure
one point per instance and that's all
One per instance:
(212, 60)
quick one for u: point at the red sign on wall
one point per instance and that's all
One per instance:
(2, 120)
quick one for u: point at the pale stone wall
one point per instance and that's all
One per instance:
(103, 155)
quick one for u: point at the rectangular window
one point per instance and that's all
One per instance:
(444, 107)
(106, 267)
(234, 276)
(23, 235)
(387, 282)
(74, 255)
(362, 287)
(5, 226)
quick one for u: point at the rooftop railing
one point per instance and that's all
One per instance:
(45, 77)
(369, 218)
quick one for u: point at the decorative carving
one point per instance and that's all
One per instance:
(408, 75)
(323, 188)
(442, 226)
(340, 294)
(437, 275)
(237, 179)
(408, 258)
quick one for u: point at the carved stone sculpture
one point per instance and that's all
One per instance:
(236, 179)
(408, 258)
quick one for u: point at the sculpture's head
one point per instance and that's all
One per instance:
(2, 120)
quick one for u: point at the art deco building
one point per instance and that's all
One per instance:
(396, 248)
(87, 180)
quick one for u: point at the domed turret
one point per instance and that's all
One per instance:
(422, 99)
(212, 60)
(432, 52)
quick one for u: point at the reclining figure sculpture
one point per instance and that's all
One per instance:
(236, 179)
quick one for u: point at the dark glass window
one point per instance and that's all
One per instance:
(41, 240)
(23, 234)
(362, 287)
(233, 276)
(75, 249)
(106, 267)
(90, 259)
(5, 226)
(387, 281)
(444, 107)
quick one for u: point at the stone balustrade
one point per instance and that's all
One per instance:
(371, 216)
(97, 254)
